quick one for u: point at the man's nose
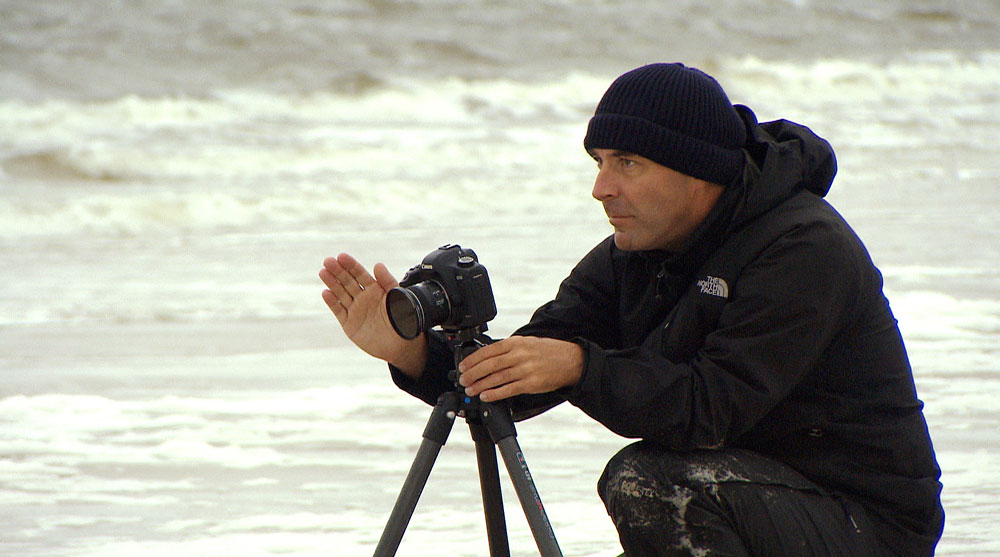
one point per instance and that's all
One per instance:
(605, 185)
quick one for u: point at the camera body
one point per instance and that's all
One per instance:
(449, 288)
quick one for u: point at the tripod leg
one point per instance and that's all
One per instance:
(531, 501)
(500, 425)
(489, 481)
(435, 434)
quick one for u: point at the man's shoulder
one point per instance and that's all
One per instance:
(802, 206)
(803, 213)
(804, 221)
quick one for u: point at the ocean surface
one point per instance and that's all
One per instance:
(172, 175)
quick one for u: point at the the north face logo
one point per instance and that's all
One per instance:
(714, 286)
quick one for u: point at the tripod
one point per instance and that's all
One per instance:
(489, 423)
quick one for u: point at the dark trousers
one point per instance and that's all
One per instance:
(726, 502)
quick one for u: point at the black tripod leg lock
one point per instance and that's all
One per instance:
(442, 418)
(498, 421)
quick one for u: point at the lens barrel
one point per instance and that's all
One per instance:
(414, 309)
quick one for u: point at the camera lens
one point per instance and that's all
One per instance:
(414, 309)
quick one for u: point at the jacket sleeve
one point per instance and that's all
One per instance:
(783, 311)
(434, 381)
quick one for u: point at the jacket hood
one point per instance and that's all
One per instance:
(782, 158)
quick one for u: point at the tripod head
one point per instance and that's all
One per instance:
(463, 342)
(496, 416)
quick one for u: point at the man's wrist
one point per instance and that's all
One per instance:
(413, 360)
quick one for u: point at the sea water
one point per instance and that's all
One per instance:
(173, 175)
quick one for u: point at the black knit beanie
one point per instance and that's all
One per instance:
(674, 115)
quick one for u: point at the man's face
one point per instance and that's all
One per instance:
(649, 205)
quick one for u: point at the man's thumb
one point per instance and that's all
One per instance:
(384, 277)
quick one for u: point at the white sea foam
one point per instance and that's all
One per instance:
(939, 316)
(273, 429)
(246, 159)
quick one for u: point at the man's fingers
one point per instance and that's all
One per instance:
(487, 383)
(336, 286)
(346, 280)
(493, 371)
(344, 271)
(485, 354)
(338, 309)
(354, 271)
(504, 391)
(334, 276)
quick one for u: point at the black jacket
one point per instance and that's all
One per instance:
(769, 331)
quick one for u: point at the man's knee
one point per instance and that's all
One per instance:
(626, 474)
(647, 464)
(644, 483)
(656, 498)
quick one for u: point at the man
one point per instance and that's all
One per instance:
(733, 323)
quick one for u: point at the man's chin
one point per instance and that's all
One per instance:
(628, 242)
(625, 242)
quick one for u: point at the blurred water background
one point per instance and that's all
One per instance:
(172, 174)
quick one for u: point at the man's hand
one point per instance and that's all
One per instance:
(358, 301)
(521, 365)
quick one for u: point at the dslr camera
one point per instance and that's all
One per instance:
(449, 288)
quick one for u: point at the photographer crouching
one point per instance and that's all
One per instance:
(733, 323)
